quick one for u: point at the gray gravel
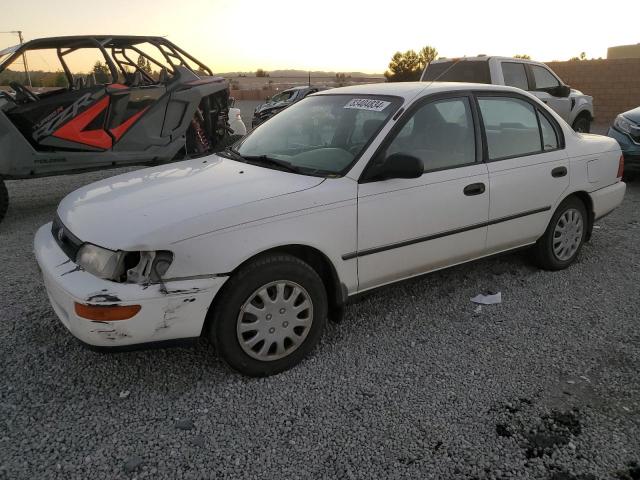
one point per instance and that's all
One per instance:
(414, 383)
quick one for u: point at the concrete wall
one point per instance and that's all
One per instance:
(614, 84)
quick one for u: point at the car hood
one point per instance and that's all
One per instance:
(633, 115)
(151, 208)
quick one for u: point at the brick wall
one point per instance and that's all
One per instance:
(614, 84)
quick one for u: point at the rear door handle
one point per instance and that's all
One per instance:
(559, 172)
(474, 189)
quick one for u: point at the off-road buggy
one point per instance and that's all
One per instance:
(146, 102)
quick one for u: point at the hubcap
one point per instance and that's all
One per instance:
(275, 320)
(567, 234)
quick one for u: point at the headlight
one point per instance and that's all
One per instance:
(623, 124)
(130, 267)
(99, 261)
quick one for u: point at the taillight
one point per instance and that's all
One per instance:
(621, 167)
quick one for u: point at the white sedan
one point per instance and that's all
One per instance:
(345, 191)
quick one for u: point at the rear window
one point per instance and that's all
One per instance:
(471, 71)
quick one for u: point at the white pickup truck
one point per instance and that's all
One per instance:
(535, 77)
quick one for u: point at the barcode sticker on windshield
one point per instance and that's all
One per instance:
(367, 104)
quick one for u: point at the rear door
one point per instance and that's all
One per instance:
(410, 226)
(528, 168)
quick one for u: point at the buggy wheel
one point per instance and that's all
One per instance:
(4, 199)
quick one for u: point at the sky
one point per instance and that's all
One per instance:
(339, 35)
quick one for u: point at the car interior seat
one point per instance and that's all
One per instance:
(90, 81)
(79, 83)
(163, 76)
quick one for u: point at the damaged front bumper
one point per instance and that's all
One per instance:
(173, 311)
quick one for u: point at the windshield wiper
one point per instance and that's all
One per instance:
(265, 159)
(233, 153)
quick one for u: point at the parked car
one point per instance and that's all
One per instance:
(122, 116)
(537, 78)
(280, 101)
(347, 190)
(626, 130)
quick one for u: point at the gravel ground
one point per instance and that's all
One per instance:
(414, 383)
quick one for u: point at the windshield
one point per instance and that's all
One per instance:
(322, 134)
(472, 71)
(283, 97)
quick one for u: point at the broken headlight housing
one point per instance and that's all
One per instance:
(124, 267)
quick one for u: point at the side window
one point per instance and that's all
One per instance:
(439, 133)
(515, 75)
(511, 127)
(549, 136)
(543, 77)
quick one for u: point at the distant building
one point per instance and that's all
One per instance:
(624, 51)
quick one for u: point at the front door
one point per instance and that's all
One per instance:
(410, 226)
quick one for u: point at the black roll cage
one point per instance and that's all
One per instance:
(117, 60)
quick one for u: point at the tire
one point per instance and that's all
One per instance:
(582, 124)
(550, 252)
(239, 308)
(4, 199)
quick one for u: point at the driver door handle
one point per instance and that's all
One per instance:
(474, 189)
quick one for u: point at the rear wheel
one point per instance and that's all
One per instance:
(4, 199)
(564, 237)
(582, 124)
(270, 314)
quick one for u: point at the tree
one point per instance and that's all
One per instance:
(342, 79)
(144, 64)
(427, 55)
(583, 56)
(524, 56)
(408, 66)
(101, 72)
(261, 73)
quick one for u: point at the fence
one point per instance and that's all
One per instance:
(614, 84)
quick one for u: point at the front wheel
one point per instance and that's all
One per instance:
(4, 199)
(270, 314)
(564, 237)
(582, 124)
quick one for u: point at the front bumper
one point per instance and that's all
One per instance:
(607, 199)
(630, 150)
(178, 311)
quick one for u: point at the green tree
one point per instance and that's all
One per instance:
(261, 73)
(408, 66)
(583, 56)
(523, 56)
(427, 55)
(101, 72)
(60, 80)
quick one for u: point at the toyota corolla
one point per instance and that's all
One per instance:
(347, 190)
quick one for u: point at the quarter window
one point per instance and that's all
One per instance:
(515, 75)
(549, 136)
(543, 78)
(439, 133)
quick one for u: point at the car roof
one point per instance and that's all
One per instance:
(485, 58)
(409, 90)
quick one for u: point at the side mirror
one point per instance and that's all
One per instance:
(562, 91)
(398, 165)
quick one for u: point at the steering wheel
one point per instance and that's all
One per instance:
(23, 94)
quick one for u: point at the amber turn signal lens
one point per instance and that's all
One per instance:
(106, 313)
